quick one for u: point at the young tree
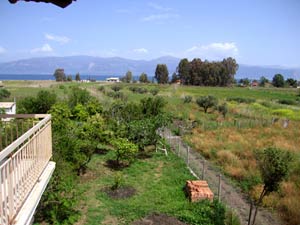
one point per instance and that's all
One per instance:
(223, 109)
(77, 77)
(143, 78)
(183, 71)
(278, 80)
(69, 78)
(207, 102)
(274, 165)
(263, 81)
(124, 150)
(128, 77)
(60, 75)
(162, 74)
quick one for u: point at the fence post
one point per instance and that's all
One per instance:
(219, 190)
(203, 168)
(250, 212)
(178, 145)
(188, 153)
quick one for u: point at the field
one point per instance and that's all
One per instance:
(257, 118)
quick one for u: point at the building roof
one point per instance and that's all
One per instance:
(7, 105)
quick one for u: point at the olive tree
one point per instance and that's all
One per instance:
(207, 102)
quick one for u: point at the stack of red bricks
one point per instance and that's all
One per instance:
(198, 190)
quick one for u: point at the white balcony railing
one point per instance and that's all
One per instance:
(22, 165)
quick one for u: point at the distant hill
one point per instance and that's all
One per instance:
(116, 66)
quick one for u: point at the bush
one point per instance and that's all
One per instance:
(223, 109)
(4, 93)
(207, 102)
(155, 91)
(241, 100)
(116, 88)
(187, 99)
(124, 150)
(101, 88)
(287, 102)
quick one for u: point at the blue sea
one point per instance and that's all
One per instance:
(49, 77)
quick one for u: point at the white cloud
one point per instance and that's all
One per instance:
(59, 39)
(158, 7)
(46, 48)
(159, 17)
(213, 51)
(2, 50)
(141, 50)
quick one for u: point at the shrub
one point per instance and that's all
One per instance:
(287, 102)
(223, 109)
(116, 88)
(4, 93)
(187, 99)
(207, 102)
(241, 100)
(155, 91)
(101, 88)
(124, 150)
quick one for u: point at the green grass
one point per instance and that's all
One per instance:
(159, 182)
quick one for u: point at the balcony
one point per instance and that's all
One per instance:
(25, 166)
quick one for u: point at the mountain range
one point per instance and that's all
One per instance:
(116, 66)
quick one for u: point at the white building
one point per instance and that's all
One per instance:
(113, 79)
(9, 108)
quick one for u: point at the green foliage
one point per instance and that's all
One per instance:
(244, 81)
(154, 91)
(198, 72)
(60, 75)
(278, 80)
(80, 113)
(4, 93)
(187, 99)
(118, 181)
(61, 115)
(162, 74)
(101, 88)
(241, 100)
(174, 78)
(143, 78)
(223, 109)
(207, 102)
(231, 218)
(116, 88)
(287, 102)
(139, 90)
(204, 212)
(274, 165)
(152, 106)
(128, 77)
(77, 77)
(263, 81)
(69, 78)
(291, 82)
(124, 150)
(39, 104)
(78, 96)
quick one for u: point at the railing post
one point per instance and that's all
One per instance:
(10, 191)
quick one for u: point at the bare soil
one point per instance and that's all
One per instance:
(158, 219)
(120, 193)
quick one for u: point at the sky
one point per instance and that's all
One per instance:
(254, 32)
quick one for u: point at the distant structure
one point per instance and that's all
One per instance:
(8, 108)
(60, 3)
(1, 84)
(113, 79)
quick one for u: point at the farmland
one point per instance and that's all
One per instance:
(257, 118)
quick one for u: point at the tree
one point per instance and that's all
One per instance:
(244, 81)
(183, 71)
(207, 102)
(4, 93)
(274, 165)
(77, 77)
(60, 75)
(79, 96)
(291, 82)
(263, 81)
(174, 78)
(69, 78)
(143, 78)
(278, 80)
(162, 74)
(124, 150)
(128, 77)
(223, 109)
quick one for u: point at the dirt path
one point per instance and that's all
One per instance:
(232, 196)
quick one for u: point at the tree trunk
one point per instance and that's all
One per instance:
(262, 195)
